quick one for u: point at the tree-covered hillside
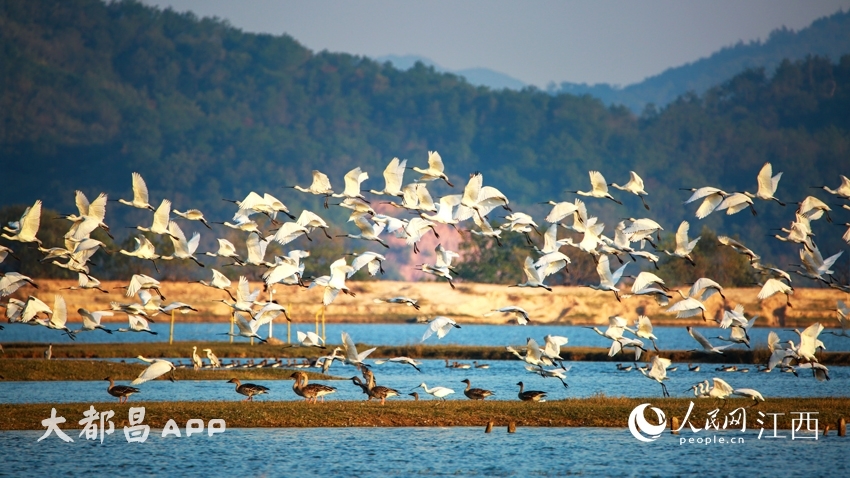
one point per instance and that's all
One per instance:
(828, 37)
(91, 91)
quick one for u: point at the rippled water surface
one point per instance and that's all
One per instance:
(669, 338)
(324, 452)
(584, 379)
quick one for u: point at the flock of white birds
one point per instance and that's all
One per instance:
(473, 205)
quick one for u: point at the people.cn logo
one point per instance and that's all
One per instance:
(638, 424)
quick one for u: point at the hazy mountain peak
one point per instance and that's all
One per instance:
(475, 76)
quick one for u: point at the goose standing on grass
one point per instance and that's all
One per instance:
(310, 391)
(439, 392)
(475, 393)
(156, 369)
(530, 395)
(123, 392)
(248, 389)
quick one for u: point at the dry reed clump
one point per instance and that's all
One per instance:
(470, 301)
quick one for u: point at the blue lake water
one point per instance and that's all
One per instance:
(585, 379)
(380, 452)
(669, 338)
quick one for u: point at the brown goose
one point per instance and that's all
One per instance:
(310, 391)
(531, 395)
(375, 391)
(123, 392)
(248, 389)
(475, 393)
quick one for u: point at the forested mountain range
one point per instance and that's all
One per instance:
(92, 91)
(827, 37)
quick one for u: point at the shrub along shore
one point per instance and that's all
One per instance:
(598, 411)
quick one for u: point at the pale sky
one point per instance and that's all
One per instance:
(602, 41)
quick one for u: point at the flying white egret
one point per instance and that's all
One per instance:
(156, 369)
(256, 247)
(683, 246)
(634, 186)
(813, 209)
(310, 221)
(192, 215)
(533, 354)
(644, 330)
(137, 324)
(599, 188)
(706, 345)
(226, 249)
(161, 218)
(775, 286)
(91, 216)
(842, 191)
(712, 197)
(767, 184)
(351, 355)
(219, 281)
(441, 325)
(739, 248)
(534, 276)
(321, 186)
(13, 281)
(517, 312)
(416, 229)
(843, 322)
(59, 317)
(371, 260)
(735, 203)
(141, 281)
(368, 230)
(434, 170)
(246, 329)
(353, 179)
(809, 342)
(144, 250)
(608, 280)
(658, 372)
(399, 300)
(183, 249)
(288, 232)
(29, 224)
(91, 320)
(310, 339)
(140, 194)
(560, 210)
(393, 178)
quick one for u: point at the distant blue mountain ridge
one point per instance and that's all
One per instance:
(828, 37)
